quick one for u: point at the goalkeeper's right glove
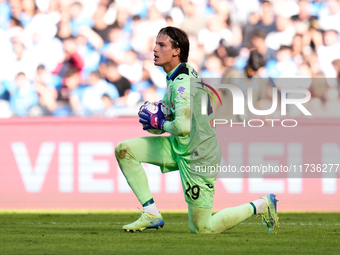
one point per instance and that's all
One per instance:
(151, 116)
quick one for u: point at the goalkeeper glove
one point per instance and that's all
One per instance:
(151, 116)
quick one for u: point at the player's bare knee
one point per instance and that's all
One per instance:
(121, 151)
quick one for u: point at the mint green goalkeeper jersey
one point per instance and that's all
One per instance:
(193, 137)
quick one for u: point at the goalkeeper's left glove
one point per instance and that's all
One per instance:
(152, 118)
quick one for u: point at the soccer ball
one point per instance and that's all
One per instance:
(153, 108)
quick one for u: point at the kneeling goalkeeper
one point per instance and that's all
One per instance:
(192, 142)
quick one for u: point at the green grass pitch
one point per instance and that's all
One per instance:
(101, 233)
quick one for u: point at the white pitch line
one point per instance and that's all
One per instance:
(171, 223)
(294, 223)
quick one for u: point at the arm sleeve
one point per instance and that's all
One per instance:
(180, 126)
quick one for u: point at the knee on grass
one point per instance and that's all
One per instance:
(199, 226)
(203, 230)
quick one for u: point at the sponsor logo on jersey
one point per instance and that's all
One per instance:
(181, 89)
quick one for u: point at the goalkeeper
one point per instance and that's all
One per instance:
(183, 149)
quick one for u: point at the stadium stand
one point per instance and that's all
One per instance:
(52, 50)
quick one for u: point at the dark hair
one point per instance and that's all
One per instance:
(111, 63)
(71, 37)
(232, 52)
(266, 2)
(285, 47)
(305, 62)
(76, 3)
(17, 22)
(72, 71)
(106, 96)
(168, 17)
(337, 64)
(21, 74)
(259, 33)
(179, 39)
(255, 61)
(136, 18)
(97, 74)
(298, 35)
(40, 67)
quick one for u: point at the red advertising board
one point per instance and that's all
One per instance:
(52, 163)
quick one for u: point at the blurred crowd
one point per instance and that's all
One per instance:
(94, 57)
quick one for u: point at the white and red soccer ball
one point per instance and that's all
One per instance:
(152, 107)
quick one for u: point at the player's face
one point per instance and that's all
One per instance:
(164, 54)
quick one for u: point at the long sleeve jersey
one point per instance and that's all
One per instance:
(192, 135)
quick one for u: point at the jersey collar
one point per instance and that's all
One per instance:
(172, 72)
